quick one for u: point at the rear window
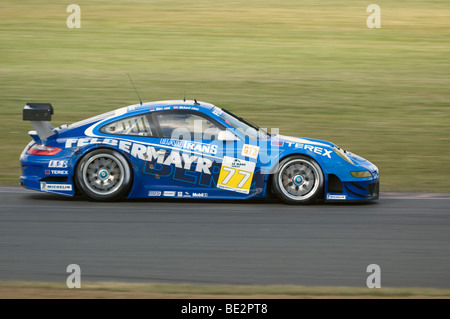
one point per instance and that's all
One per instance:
(136, 125)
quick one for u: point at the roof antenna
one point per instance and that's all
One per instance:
(195, 102)
(184, 99)
(134, 88)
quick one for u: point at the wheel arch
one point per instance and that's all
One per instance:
(86, 152)
(276, 166)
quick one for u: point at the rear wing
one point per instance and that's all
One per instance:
(39, 114)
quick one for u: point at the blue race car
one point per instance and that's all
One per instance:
(186, 149)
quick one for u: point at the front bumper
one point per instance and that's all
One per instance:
(340, 185)
(352, 191)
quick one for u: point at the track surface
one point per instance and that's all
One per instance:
(225, 243)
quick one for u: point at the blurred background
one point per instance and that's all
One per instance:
(311, 68)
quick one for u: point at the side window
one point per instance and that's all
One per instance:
(188, 126)
(136, 125)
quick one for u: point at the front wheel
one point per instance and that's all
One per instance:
(103, 175)
(299, 180)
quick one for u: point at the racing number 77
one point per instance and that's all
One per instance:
(231, 172)
(236, 175)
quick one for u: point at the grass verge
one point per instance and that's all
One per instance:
(20, 289)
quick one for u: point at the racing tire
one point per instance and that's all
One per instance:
(104, 175)
(298, 180)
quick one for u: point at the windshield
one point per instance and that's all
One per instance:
(247, 128)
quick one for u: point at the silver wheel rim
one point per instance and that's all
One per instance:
(298, 179)
(103, 174)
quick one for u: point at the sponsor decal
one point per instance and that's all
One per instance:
(315, 149)
(236, 175)
(57, 172)
(301, 140)
(179, 160)
(237, 163)
(183, 167)
(250, 151)
(277, 143)
(154, 193)
(71, 142)
(149, 153)
(174, 143)
(57, 164)
(191, 146)
(199, 194)
(311, 146)
(169, 193)
(165, 108)
(177, 107)
(179, 194)
(55, 187)
(329, 196)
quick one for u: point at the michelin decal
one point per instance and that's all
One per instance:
(55, 187)
(341, 197)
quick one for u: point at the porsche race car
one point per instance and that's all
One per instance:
(186, 149)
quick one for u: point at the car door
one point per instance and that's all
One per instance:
(245, 158)
(186, 162)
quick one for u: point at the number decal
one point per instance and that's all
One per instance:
(245, 179)
(236, 175)
(231, 172)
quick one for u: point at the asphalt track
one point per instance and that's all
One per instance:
(242, 243)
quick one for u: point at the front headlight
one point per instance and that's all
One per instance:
(342, 154)
(361, 174)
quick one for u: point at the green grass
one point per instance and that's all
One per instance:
(311, 68)
(57, 290)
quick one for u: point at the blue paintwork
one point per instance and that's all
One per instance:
(153, 179)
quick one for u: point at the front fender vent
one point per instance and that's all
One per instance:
(334, 184)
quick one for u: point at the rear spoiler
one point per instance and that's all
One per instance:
(39, 114)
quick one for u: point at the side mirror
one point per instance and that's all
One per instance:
(227, 136)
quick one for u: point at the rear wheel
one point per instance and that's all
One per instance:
(299, 180)
(104, 175)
